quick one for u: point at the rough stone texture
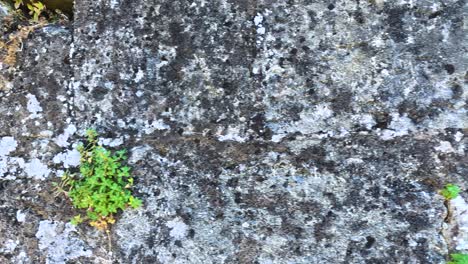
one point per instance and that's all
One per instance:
(259, 131)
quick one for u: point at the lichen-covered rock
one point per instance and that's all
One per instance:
(259, 131)
(5, 11)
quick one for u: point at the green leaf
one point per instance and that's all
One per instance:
(91, 133)
(121, 152)
(39, 5)
(92, 215)
(76, 220)
(450, 191)
(125, 171)
(18, 3)
(458, 258)
(135, 202)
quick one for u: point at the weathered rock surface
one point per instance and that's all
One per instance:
(259, 131)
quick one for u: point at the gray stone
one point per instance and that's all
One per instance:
(5, 10)
(261, 131)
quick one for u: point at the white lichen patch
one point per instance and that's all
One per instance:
(9, 246)
(70, 158)
(132, 230)
(400, 126)
(36, 169)
(21, 258)
(367, 121)
(7, 145)
(311, 121)
(445, 147)
(231, 134)
(111, 142)
(155, 125)
(61, 244)
(178, 228)
(449, 119)
(9, 166)
(33, 106)
(457, 228)
(62, 139)
(138, 153)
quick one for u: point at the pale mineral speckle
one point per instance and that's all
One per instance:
(265, 261)
(178, 228)
(20, 216)
(261, 30)
(3, 166)
(33, 106)
(139, 75)
(277, 138)
(46, 133)
(139, 93)
(354, 161)
(458, 136)
(258, 19)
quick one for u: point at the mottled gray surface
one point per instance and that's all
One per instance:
(259, 131)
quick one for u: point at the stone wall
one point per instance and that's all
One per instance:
(263, 131)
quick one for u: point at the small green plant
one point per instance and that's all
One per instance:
(36, 8)
(102, 186)
(458, 258)
(450, 191)
(50, 10)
